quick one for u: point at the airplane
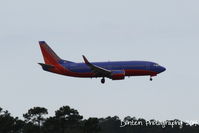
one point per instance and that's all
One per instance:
(115, 70)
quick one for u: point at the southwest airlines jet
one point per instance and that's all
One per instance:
(116, 70)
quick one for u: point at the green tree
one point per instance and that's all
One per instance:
(68, 119)
(36, 115)
(18, 125)
(6, 122)
(111, 125)
(51, 125)
(91, 125)
(35, 118)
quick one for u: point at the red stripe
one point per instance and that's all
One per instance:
(140, 73)
(66, 72)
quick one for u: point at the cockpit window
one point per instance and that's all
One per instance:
(156, 65)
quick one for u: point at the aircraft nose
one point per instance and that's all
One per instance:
(162, 69)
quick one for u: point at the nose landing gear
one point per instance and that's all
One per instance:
(151, 79)
(103, 80)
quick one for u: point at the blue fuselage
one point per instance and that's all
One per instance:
(131, 68)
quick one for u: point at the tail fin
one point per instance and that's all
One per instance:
(50, 57)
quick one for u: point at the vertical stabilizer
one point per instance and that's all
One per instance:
(50, 57)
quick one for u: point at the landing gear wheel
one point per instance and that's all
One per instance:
(102, 80)
(151, 79)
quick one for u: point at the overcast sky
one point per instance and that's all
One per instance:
(163, 31)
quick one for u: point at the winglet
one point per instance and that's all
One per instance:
(85, 60)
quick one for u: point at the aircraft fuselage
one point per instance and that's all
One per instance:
(131, 68)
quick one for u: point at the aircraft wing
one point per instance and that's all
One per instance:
(96, 69)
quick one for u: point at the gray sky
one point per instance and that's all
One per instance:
(162, 31)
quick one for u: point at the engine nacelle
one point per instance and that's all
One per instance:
(118, 74)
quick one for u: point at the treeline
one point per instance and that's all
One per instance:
(68, 120)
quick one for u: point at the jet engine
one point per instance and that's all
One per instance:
(117, 74)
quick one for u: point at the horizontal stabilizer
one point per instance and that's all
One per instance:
(46, 67)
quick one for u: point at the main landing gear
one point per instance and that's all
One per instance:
(151, 79)
(103, 80)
